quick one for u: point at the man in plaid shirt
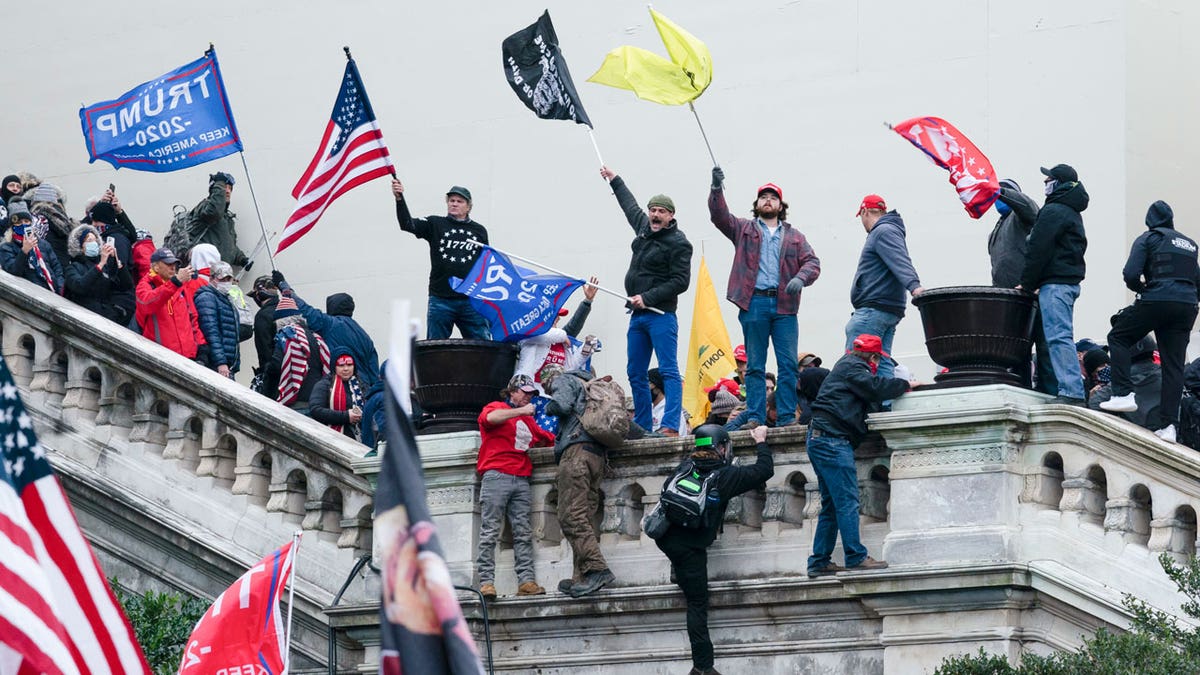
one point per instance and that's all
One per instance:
(772, 264)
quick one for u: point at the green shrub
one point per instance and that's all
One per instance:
(162, 623)
(1155, 644)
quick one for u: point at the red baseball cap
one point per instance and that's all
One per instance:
(773, 188)
(871, 202)
(726, 384)
(562, 312)
(870, 343)
(739, 353)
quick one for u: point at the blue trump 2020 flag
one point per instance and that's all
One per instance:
(174, 121)
(518, 302)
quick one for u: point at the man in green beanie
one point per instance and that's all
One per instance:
(659, 272)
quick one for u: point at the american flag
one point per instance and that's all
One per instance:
(351, 153)
(57, 612)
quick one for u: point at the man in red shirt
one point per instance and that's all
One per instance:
(507, 430)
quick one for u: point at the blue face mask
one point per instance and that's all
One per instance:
(1002, 208)
(91, 249)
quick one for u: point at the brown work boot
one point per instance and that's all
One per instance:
(868, 563)
(530, 588)
(666, 431)
(488, 591)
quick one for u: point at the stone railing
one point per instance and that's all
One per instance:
(1008, 523)
(182, 478)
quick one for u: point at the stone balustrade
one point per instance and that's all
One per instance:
(181, 478)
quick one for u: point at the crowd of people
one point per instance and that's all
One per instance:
(320, 363)
(323, 364)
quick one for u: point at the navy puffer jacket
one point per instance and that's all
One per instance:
(219, 322)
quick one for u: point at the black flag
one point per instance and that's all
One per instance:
(536, 70)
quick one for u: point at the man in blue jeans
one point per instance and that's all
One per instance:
(452, 253)
(1054, 268)
(772, 265)
(659, 271)
(850, 391)
(884, 272)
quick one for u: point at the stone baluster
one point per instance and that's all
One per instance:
(18, 347)
(115, 402)
(148, 426)
(289, 487)
(49, 372)
(775, 505)
(1173, 535)
(252, 469)
(183, 434)
(1084, 499)
(356, 527)
(218, 451)
(1043, 485)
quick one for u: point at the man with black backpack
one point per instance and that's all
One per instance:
(694, 499)
(211, 221)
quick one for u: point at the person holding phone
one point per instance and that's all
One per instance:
(24, 255)
(96, 278)
(165, 313)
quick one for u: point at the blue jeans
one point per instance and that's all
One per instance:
(659, 332)
(833, 460)
(444, 313)
(1057, 305)
(759, 325)
(879, 323)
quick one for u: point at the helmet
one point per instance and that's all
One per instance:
(713, 436)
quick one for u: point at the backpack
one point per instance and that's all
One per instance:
(180, 237)
(1189, 420)
(604, 417)
(690, 499)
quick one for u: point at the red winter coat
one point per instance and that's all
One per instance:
(140, 254)
(166, 315)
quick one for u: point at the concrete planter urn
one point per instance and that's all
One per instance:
(980, 333)
(454, 379)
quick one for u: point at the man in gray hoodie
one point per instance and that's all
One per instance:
(884, 273)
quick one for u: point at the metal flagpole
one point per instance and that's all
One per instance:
(261, 226)
(551, 269)
(592, 135)
(287, 652)
(706, 143)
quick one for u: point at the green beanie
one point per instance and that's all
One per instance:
(663, 201)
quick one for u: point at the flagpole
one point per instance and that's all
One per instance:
(254, 198)
(287, 652)
(613, 293)
(704, 135)
(595, 145)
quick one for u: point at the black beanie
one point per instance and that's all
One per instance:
(1160, 215)
(103, 212)
(1094, 359)
(4, 193)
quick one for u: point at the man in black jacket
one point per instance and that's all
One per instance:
(1053, 269)
(850, 391)
(451, 254)
(1163, 271)
(687, 549)
(266, 295)
(659, 271)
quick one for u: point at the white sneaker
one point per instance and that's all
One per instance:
(1167, 433)
(1126, 403)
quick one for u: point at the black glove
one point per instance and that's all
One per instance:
(247, 265)
(718, 178)
(277, 277)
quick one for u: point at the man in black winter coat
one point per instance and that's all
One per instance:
(266, 295)
(850, 391)
(451, 254)
(659, 271)
(687, 549)
(1053, 269)
(1162, 269)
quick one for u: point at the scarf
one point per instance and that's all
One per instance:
(294, 370)
(344, 395)
(37, 262)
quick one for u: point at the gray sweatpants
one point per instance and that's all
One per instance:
(501, 494)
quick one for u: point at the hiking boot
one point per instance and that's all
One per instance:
(1126, 403)
(666, 431)
(530, 588)
(826, 571)
(751, 424)
(1166, 433)
(488, 591)
(706, 671)
(592, 582)
(868, 563)
(565, 585)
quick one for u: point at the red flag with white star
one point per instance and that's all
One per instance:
(971, 173)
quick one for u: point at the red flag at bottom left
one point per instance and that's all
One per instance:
(243, 631)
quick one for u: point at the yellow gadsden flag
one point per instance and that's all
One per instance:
(680, 80)
(710, 354)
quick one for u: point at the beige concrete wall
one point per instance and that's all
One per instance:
(800, 94)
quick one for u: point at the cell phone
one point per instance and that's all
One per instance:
(110, 241)
(195, 274)
(112, 188)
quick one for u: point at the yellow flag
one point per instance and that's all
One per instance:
(646, 74)
(710, 354)
(686, 52)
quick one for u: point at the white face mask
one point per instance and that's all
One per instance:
(1050, 185)
(223, 286)
(91, 249)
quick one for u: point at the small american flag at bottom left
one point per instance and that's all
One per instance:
(57, 611)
